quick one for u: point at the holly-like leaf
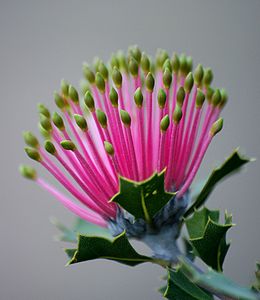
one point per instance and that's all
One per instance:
(208, 237)
(216, 283)
(143, 199)
(231, 164)
(79, 227)
(181, 288)
(119, 249)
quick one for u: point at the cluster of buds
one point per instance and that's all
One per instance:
(136, 117)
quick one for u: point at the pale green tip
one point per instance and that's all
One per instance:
(109, 148)
(102, 118)
(200, 98)
(208, 77)
(177, 114)
(209, 93)
(224, 98)
(81, 122)
(167, 65)
(45, 123)
(114, 62)
(145, 63)
(167, 78)
(161, 57)
(122, 61)
(42, 109)
(216, 97)
(117, 77)
(88, 74)
(45, 134)
(30, 139)
(175, 63)
(138, 97)
(125, 117)
(89, 101)
(184, 68)
(58, 121)
(28, 172)
(133, 67)
(64, 85)
(68, 145)
(102, 68)
(149, 82)
(161, 97)
(59, 100)
(189, 63)
(135, 52)
(49, 147)
(33, 153)
(73, 94)
(216, 127)
(164, 124)
(113, 96)
(198, 75)
(180, 96)
(100, 82)
(188, 83)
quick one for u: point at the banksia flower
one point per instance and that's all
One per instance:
(136, 118)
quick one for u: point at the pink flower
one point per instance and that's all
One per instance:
(136, 119)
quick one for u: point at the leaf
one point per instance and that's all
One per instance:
(208, 237)
(256, 285)
(79, 227)
(143, 199)
(181, 288)
(216, 283)
(120, 250)
(231, 164)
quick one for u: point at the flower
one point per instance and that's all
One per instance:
(137, 118)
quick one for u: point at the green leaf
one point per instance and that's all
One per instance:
(181, 288)
(216, 283)
(256, 285)
(120, 250)
(208, 237)
(143, 199)
(231, 164)
(79, 227)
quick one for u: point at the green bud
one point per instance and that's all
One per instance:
(145, 63)
(89, 101)
(43, 132)
(180, 96)
(136, 53)
(167, 65)
(109, 148)
(81, 122)
(102, 118)
(59, 100)
(68, 145)
(28, 172)
(33, 153)
(183, 64)
(49, 147)
(200, 98)
(224, 98)
(64, 85)
(177, 114)
(100, 83)
(102, 68)
(58, 121)
(161, 56)
(209, 93)
(189, 64)
(30, 139)
(198, 75)
(73, 94)
(188, 83)
(113, 96)
(84, 86)
(117, 77)
(208, 77)
(216, 127)
(114, 61)
(122, 61)
(138, 97)
(161, 97)
(167, 78)
(125, 117)
(45, 122)
(133, 67)
(88, 74)
(175, 63)
(216, 97)
(149, 82)
(42, 109)
(96, 62)
(165, 122)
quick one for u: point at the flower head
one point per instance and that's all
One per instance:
(136, 117)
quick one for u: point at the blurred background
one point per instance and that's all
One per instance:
(44, 41)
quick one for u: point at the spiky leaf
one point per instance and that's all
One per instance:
(231, 164)
(119, 249)
(143, 199)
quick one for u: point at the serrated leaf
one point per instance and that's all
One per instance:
(79, 227)
(119, 249)
(143, 199)
(208, 237)
(231, 164)
(217, 283)
(181, 288)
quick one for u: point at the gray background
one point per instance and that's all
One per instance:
(44, 41)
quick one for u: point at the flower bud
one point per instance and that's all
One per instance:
(33, 154)
(89, 101)
(138, 97)
(149, 82)
(109, 148)
(49, 147)
(30, 139)
(125, 117)
(117, 77)
(113, 96)
(28, 172)
(216, 127)
(161, 98)
(68, 145)
(81, 122)
(164, 124)
(180, 96)
(58, 121)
